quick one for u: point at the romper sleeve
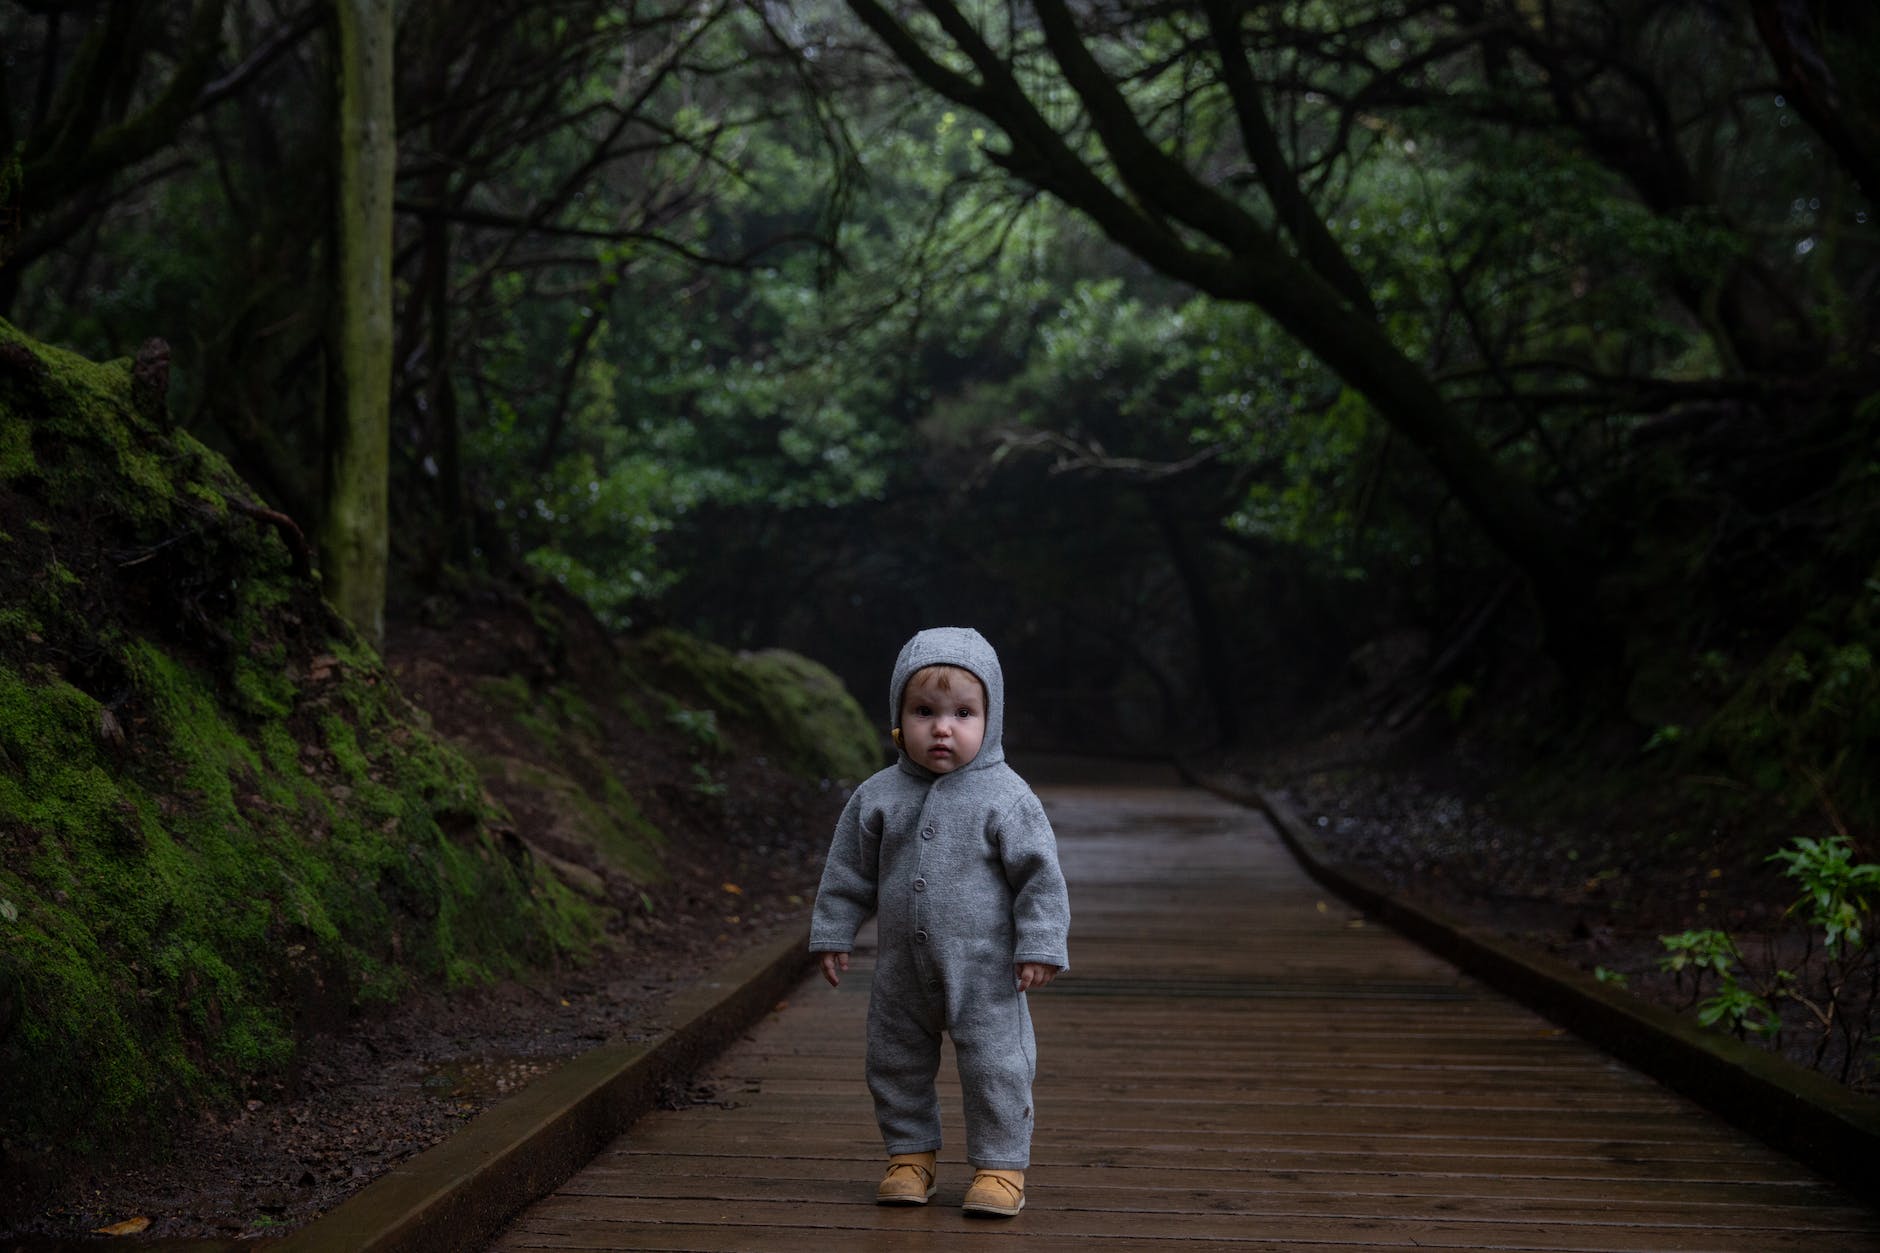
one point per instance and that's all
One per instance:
(846, 897)
(1041, 905)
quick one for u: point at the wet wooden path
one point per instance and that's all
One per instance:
(1234, 1061)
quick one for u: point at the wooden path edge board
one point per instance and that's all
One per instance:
(459, 1194)
(1793, 1109)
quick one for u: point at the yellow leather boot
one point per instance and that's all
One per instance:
(909, 1181)
(996, 1193)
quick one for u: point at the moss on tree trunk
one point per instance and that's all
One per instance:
(355, 531)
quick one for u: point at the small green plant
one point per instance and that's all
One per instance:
(700, 726)
(1664, 737)
(1697, 951)
(1834, 889)
(1616, 978)
(1740, 1010)
(704, 783)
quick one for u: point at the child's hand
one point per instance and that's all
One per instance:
(832, 966)
(1034, 975)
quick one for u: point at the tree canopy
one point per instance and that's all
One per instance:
(1198, 349)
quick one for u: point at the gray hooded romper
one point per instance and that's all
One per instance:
(962, 870)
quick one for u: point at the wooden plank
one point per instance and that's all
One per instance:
(1177, 1098)
(678, 1196)
(648, 1174)
(1243, 1067)
(1127, 1147)
(1278, 1165)
(1126, 1190)
(560, 1222)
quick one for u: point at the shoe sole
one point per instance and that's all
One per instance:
(907, 1199)
(980, 1209)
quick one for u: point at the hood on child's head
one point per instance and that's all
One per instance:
(967, 649)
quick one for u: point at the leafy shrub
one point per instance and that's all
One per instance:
(1832, 994)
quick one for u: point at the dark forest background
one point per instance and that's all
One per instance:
(1510, 364)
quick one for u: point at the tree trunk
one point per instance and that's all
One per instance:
(355, 529)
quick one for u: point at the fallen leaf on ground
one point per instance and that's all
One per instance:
(129, 1227)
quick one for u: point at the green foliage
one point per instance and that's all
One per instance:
(1661, 737)
(704, 783)
(1834, 888)
(1698, 951)
(1734, 1006)
(1824, 996)
(700, 726)
(1739, 1010)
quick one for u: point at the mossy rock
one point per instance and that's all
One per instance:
(221, 825)
(775, 702)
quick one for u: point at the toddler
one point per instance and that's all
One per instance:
(953, 852)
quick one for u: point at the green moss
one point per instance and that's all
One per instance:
(794, 708)
(55, 782)
(573, 711)
(208, 496)
(264, 690)
(509, 692)
(343, 742)
(16, 449)
(700, 667)
(87, 404)
(280, 748)
(829, 732)
(606, 819)
(18, 622)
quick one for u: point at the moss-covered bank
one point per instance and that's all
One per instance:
(221, 824)
(790, 703)
(612, 754)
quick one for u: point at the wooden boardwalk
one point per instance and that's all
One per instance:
(1235, 1061)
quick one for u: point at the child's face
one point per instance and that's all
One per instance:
(942, 730)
